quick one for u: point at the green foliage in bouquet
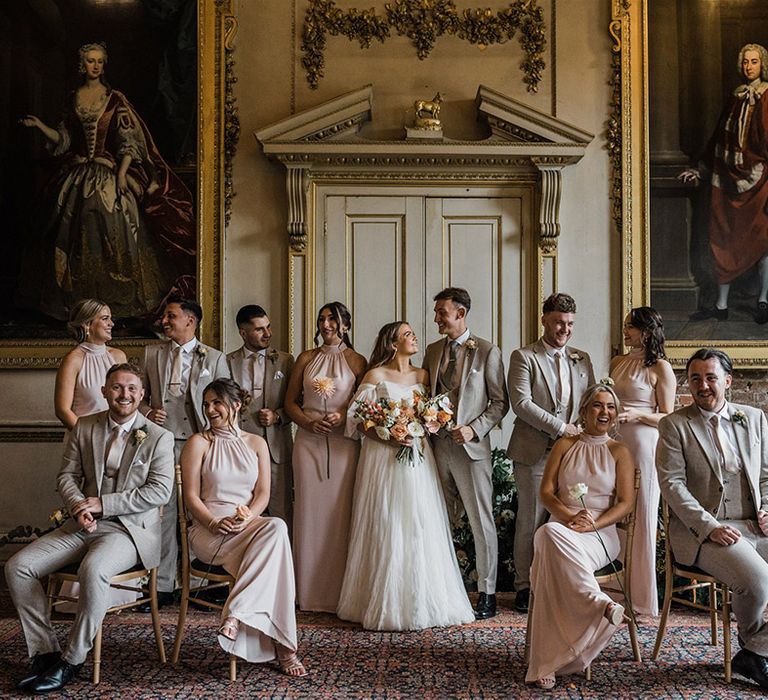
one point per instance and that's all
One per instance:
(504, 510)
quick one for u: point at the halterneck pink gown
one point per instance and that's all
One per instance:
(632, 383)
(569, 629)
(259, 557)
(323, 486)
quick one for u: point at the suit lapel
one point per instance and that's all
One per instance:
(540, 355)
(163, 360)
(129, 453)
(237, 366)
(470, 358)
(434, 363)
(99, 442)
(704, 438)
(743, 443)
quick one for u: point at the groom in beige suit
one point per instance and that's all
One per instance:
(116, 473)
(546, 382)
(471, 371)
(264, 373)
(176, 373)
(712, 462)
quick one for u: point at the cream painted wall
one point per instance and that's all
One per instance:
(271, 86)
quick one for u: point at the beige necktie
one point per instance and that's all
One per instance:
(257, 374)
(174, 386)
(558, 371)
(114, 452)
(728, 460)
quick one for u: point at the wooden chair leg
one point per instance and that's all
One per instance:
(232, 667)
(633, 639)
(97, 657)
(183, 605)
(528, 625)
(664, 615)
(156, 615)
(727, 631)
(713, 612)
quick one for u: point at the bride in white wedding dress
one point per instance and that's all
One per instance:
(401, 569)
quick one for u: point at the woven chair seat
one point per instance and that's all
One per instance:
(200, 565)
(608, 569)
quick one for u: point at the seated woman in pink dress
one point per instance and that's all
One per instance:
(226, 475)
(573, 619)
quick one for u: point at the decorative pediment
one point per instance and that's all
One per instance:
(524, 144)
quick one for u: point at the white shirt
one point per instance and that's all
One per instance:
(246, 376)
(726, 423)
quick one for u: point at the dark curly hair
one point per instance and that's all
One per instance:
(342, 316)
(648, 321)
(229, 392)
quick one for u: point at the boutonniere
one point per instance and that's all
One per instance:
(273, 355)
(278, 376)
(574, 357)
(201, 351)
(740, 417)
(471, 344)
(139, 435)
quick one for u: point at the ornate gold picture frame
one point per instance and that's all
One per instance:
(217, 129)
(651, 206)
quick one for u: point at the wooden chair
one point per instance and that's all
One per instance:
(606, 576)
(213, 577)
(693, 580)
(121, 581)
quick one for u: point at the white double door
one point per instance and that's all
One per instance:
(386, 256)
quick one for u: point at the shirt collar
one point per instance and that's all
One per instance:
(724, 412)
(248, 353)
(125, 427)
(551, 350)
(188, 347)
(463, 338)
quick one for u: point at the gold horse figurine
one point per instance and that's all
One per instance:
(428, 112)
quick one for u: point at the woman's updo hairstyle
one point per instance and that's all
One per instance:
(589, 396)
(229, 392)
(80, 317)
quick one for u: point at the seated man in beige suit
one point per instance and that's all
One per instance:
(471, 371)
(176, 374)
(264, 373)
(546, 382)
(116, 473)
(712, 462)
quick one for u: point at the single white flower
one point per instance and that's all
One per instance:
(415, 429)
(577, 491)
(382, 432)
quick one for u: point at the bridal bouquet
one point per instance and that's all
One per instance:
(412, 416)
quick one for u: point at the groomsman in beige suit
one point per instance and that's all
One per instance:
(546, 382)
(712, 462)
(116, 473)
(471, 371)
(264, 373)
(176, 374)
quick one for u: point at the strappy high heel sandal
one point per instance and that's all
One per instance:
(230, 628)
(291, 666)
(546, 683)
(614, 613)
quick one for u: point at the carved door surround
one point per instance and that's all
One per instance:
(321, 146)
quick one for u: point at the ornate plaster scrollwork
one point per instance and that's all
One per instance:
(549, 210)
(423, 21)
(296, 182)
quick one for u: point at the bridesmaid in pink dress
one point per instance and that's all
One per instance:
(324, 460)
(645, 384)
(79, 381)
(573, 619)
(226, 474)
(83, 369)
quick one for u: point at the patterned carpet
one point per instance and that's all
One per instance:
(481, 660)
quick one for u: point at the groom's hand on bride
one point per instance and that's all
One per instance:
(462, 434)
